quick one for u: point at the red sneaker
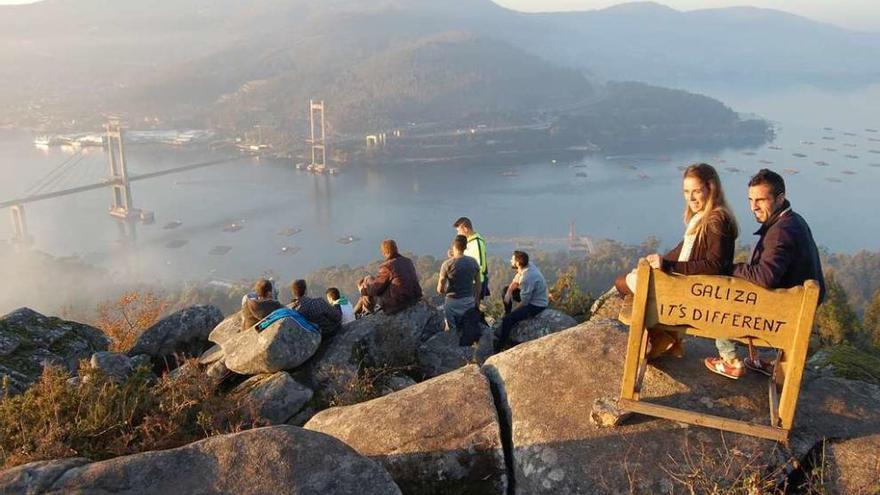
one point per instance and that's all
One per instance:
(723, 368)
(758, 365)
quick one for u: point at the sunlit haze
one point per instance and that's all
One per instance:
(857, 14)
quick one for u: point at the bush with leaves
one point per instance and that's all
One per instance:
(126, 317)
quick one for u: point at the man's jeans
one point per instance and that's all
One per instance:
(514, 316)
(727, 351)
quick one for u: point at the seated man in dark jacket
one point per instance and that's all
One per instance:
(258, 304)
(396, 287)
(784, 256)
(315, 309)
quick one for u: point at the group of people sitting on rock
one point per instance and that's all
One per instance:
(463, 282)
(784, 256)
(326, 314)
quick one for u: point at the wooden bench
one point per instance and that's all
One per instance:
(717, 307)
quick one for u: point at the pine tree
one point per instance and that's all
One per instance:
(872, 320)
(836, 320)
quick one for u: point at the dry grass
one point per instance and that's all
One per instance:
(366, 385)
(99, 419)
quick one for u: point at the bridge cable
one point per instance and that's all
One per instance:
(61, 176)
(38, 184)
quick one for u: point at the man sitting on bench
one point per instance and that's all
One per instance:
(784, 256)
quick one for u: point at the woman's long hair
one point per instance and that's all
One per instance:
(716, 208)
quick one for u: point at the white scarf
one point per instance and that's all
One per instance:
(689, 239)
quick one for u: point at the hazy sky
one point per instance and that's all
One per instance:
(858, 14)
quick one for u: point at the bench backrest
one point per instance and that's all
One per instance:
(729, 308)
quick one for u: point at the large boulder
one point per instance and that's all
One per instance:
(546, 322)
(278, 459)
(552, 440)
(277, 397)
(441, 353)
(284, 345)
(182, 333)
(607, 306)
(853, 466)
(29, 341)
(115, 365)
(37, 477)
(378, 340)
(547, 387)
(394, 339)
(834, 408)
(226, 329)
(439, 436)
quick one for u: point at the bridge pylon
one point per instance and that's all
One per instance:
(121, 205)
(20, 235)
(317, 136)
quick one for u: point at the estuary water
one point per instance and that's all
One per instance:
(290, 222)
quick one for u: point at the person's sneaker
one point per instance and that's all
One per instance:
(723, 368)
(759, 365)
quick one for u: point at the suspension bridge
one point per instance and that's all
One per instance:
(119, 181)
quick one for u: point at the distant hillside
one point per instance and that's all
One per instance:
(52, 47)
(445, 78)
(649, 42)
(236, 63)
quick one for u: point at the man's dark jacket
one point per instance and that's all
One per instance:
(318, 311)
(397, 284)
(254, 310)
(785, 255)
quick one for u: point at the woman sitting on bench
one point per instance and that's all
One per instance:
(706, 249)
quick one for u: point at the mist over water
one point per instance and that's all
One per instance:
(624, 198)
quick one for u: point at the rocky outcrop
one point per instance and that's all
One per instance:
(37, 477)
(555, 449)
(442, 354)
(853, 466)
(377, 340)
(439, 436)
(182, 333)
(546, 322)
(284, 345)
(277, 397)
(552, 440)
(834, 408)
(212, 355)
(29, 341)
(607, 306)
(279, 459)
(115, 365)
(226, 329)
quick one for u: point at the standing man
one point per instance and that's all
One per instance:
(460, 282)
(784, 256)
(396, 287)
(529, 289)
(476, 249)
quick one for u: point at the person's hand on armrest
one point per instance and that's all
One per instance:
(654, 260)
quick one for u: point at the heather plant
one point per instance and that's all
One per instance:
(98, 419)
